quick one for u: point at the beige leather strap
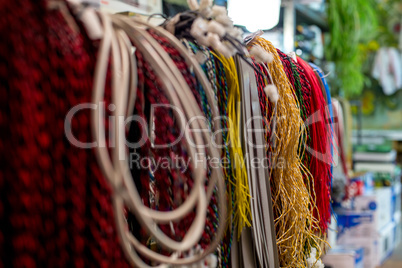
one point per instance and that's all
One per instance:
(263, 231)
(117, 172)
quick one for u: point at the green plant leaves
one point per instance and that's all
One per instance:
(351, 22)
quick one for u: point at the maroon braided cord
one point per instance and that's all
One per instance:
(55, 205)
(166, 131)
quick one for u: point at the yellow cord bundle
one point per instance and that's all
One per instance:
(292, 202)
(242, 213)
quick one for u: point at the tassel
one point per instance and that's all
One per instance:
(319, 148)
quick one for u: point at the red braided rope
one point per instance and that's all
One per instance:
(319, 144)
(55, 207)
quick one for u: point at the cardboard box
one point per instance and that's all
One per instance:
(344, 257)
(355, 224)
(358, 229)
(386, 242)
(380, 203)
(370, 247)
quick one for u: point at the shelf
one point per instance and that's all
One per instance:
(310, 16)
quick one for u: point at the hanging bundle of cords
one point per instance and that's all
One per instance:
(292, 203)
(168, 186)
(222, 74)
(164, 200)
(141, 157)
(320, 142)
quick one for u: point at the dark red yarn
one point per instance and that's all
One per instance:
(169, 184)
(55, 207)
(165, 130)
(319, 143)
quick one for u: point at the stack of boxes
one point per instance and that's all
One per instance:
(372, 219)
(369, 224)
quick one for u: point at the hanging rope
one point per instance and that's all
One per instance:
(242, 213)
(292, 203)
(319, 148)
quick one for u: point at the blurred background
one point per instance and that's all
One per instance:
(358, 44)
